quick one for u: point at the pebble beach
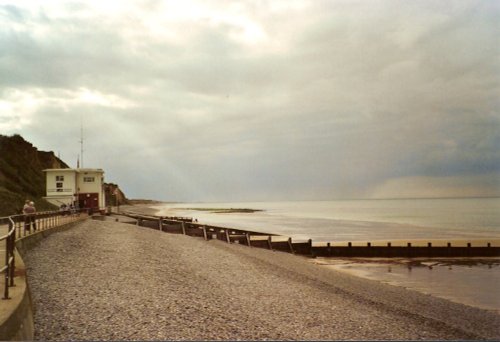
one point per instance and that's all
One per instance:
(106, 280)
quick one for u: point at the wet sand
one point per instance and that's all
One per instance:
(470, 281)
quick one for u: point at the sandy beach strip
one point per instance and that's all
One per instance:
(114, 281)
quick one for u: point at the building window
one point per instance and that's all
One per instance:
(59, 178)
(59, 187)
(88, 179)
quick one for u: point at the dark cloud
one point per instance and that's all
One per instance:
(256, 101)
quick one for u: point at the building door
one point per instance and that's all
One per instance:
(88, 201)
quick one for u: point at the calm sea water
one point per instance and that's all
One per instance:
(359, 220)
(473, 282)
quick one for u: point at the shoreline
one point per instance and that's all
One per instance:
(438, 277)
(153, 209)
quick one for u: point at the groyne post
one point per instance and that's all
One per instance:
(183, 227)
(248, 239)
(290, 245)
(227, 236)
(269, 242)
(160, 224)
(205, 233)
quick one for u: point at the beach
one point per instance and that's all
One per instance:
(474, 221)
(142, 284)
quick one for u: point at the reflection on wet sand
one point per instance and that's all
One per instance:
(470, 281)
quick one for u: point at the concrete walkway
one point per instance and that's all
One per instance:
(114, 281)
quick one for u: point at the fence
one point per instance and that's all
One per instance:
(19, 226)
(186, 226)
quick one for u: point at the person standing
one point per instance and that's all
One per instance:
(29, 211)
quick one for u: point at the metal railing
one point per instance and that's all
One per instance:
(20, 226)
(10, 263)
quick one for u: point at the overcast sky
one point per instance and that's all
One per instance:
(260, 100)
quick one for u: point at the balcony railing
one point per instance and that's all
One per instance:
(60, 190)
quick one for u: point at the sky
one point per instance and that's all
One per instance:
(220, 101)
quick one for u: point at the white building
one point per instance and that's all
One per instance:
(81, 187)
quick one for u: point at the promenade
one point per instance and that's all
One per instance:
(106, 280)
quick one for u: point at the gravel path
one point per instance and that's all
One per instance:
(114, 281)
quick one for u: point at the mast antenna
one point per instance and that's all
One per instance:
(81, 141)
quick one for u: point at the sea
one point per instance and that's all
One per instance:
(470, 281)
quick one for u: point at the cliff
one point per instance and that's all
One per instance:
(114, 196)
(21, 175)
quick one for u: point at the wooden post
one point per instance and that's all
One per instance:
(160, 224)
(369, 244)
(205, 233)
(429, 244)
(310, 242)
(388, 244)
(269, 242)
(489, 244)
(183, 228)
(248, 240)
(227, 236)
(290, 245)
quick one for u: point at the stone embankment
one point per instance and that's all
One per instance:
(113, 281)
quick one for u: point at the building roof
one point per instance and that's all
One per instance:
(74, 170)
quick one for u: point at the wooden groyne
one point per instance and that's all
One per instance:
(186, 226)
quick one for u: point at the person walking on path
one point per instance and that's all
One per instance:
(29, 211)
